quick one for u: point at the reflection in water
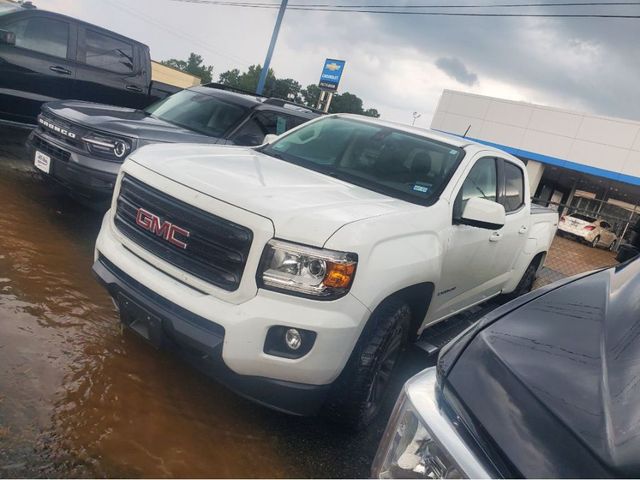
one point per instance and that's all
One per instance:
(78, 398)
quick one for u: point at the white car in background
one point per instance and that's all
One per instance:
(592, 230)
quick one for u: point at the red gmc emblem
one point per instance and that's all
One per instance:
(164, 229)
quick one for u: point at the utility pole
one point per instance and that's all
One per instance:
(272, 46)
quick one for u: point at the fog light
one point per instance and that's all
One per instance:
(288, 342)
(293, 339)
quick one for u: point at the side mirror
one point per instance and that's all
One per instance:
(483, 213)
(7, 38)
(271, 137)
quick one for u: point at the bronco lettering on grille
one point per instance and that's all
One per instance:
(56, 128)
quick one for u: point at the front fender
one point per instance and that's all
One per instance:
(394, 252)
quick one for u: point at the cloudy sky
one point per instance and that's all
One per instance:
(401, 64)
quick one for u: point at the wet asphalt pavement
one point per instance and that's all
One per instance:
(80, 398)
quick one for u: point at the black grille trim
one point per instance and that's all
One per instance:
(217, 249)
(59, 122)
(50, 149)
(137, 289)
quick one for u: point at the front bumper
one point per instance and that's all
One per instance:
(232, 336)
(78, 172)
(200, 341)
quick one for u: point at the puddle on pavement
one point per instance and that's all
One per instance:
(78, 398)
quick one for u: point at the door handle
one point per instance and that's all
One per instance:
(133, 88)
(495, 237)
(59, 69)
(523, 229)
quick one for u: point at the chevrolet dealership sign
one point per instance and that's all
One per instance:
(331, 74)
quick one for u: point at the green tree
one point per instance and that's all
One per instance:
(286, 88)
(341, 103)
(247, 80)
(311, 95)
(346, 103)
(230, 77)
(371, 112)
(290, 89)
(193, 65)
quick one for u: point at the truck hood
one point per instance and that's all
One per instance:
(555, 383)
(305, 206)
(123, 121)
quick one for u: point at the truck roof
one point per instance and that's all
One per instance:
(20, 9)
(250, 100)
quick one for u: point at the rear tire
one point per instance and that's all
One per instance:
(612, 246)
(357, 394)
(595, 241)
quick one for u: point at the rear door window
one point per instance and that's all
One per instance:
(43, 35)
(108, 53)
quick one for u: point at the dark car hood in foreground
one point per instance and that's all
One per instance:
(555, 384)
(124, 121)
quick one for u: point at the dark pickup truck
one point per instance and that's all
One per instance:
(547, 386)
(46, 56)
(81, 145)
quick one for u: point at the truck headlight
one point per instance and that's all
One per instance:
(107, 146)
(411, 449)
(307, 271)
(424, 440)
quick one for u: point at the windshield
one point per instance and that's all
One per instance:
(383, 159)
(201, 113)
(7, 8)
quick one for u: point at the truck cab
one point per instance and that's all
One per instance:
(45, 56)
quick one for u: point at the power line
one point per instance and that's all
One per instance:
(349, 9)
(418, 6)
(171, 30)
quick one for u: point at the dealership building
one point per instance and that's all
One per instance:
(577, 162)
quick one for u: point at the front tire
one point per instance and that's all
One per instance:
(357, 394)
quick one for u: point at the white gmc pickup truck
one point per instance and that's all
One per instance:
(295, 272)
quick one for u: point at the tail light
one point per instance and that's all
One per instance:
(589, 227)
